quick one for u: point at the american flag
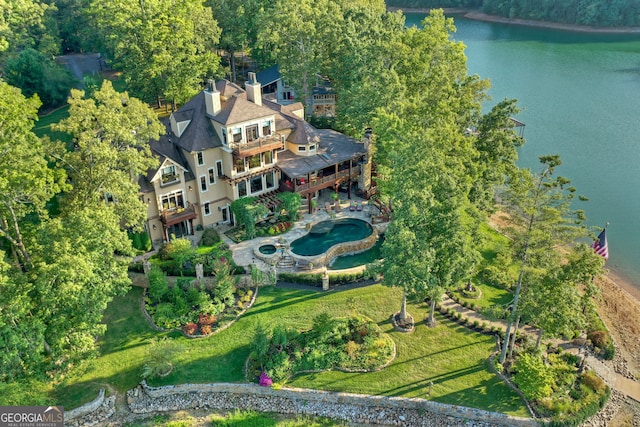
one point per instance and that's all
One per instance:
(600, 245)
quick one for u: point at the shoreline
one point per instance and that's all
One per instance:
(479, 16)
(624, 283)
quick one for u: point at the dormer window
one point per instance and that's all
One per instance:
(302, 148)
(169, 175)
(312, 147)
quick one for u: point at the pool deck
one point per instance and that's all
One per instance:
(243, 252)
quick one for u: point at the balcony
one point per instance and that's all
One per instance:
(173, 216)
(321, 182)
(260, 145)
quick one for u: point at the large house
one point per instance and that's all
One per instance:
(227, 143)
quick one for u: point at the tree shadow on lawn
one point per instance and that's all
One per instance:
(424, 383)
(282, 301)
(501, 399)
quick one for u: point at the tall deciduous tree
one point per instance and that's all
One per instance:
(111, 133)
(28, 24)
(27, 182)
(82, 259)
(362, 68)
(165, 48)
(543, 218)
(300, 35)
(424, 157)
(239, 21)
(21, 333)
(35, 72)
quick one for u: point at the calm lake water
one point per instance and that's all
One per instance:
(580, 96)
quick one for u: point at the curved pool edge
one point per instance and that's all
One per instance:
(344, 248)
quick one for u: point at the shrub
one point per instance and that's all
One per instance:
(190, 328)
(210, 237)
(599, 338)
(609, 352)
(158, 285)
(593, 381)
(206, 319)
(533, 377)
(206, 329)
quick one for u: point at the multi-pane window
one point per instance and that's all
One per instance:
(203, 183)
(270, 180)
(224, 136)
(252, 132)
(302, 148)
(169, 174)
(268, 157)
(240, 166)
(219, 168)
(237, 135)
(254, 161)
(200, 158)
(212, 176)
(256, 184)
(242, 188)
(207, 209)
(172, 201)
(266, 128)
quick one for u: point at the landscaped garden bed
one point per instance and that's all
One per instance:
(352, 344)
(198, 307)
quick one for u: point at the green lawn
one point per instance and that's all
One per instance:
(43, 125)
(450, 356)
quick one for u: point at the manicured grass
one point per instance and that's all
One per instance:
(491, 296)
(43, 126)
(450, 356)
(236, 419)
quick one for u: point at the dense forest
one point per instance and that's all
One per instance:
(597, 13)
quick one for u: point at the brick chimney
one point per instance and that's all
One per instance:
(254, 89)
(212, 98)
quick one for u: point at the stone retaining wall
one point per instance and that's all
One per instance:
(356, 408)
(89, 414)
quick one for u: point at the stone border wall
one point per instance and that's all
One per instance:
(98, 410)
(355, 408)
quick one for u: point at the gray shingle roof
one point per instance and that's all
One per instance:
(333, 148)
(238, 109)
(200, 134)
(268, 76)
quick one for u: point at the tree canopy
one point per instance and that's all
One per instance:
(165, 48)
(111, 133)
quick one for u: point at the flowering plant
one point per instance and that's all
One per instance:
(265, 381)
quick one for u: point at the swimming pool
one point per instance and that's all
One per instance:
(326, 234)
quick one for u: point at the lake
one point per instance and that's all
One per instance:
(580, 96)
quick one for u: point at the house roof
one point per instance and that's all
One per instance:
(199, 135)
(164, 149)
(228, 89)
(268, 76)
(237, 110)
(333, 148)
